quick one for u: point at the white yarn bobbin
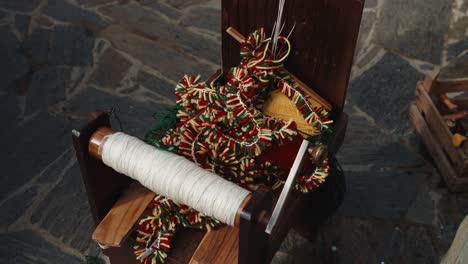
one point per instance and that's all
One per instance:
(173, 176)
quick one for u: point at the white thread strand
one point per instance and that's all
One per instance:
(278, 26)
(173, 176)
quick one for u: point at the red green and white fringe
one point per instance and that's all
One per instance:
(223, 129)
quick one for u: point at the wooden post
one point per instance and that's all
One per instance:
(323, 40)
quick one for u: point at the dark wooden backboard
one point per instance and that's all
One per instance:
(323, 41)
(103, 185)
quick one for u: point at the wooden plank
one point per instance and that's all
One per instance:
(118, 223)
(451, 86)
(461, 184)
(434, 148)
(218, 246)
(253, 240)
(214, 77)
(458, 252)
(428, 82)
(247, 244)
(461, 102)
(323, 40)
(447, 102)
(183, 246)
(439, 128)
(121, 255)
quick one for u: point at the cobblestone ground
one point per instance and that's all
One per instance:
(61, 59)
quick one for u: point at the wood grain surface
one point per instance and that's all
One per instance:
(323, 41)
(218, 246)
(123, 216)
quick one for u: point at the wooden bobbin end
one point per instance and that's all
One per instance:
(241, 208)
(97, 139)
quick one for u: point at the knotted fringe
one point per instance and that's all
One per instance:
(223, 129)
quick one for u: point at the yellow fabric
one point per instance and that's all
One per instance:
(458, 139)
(279, 106)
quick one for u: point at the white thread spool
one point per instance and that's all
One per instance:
(173, 176)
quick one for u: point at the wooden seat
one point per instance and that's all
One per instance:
(217, 246)
(322, 51)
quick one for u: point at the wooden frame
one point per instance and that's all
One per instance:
(430, 125)
(123, 207)
(323, 43)
(114, 230)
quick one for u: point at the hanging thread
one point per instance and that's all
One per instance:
(278, 26)
(173, 176)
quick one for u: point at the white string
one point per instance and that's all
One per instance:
(278, 27)
(173, 176)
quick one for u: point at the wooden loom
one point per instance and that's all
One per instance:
(323, 47)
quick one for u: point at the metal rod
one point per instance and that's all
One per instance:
(288, 187)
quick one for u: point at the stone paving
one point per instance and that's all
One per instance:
(61, 59)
